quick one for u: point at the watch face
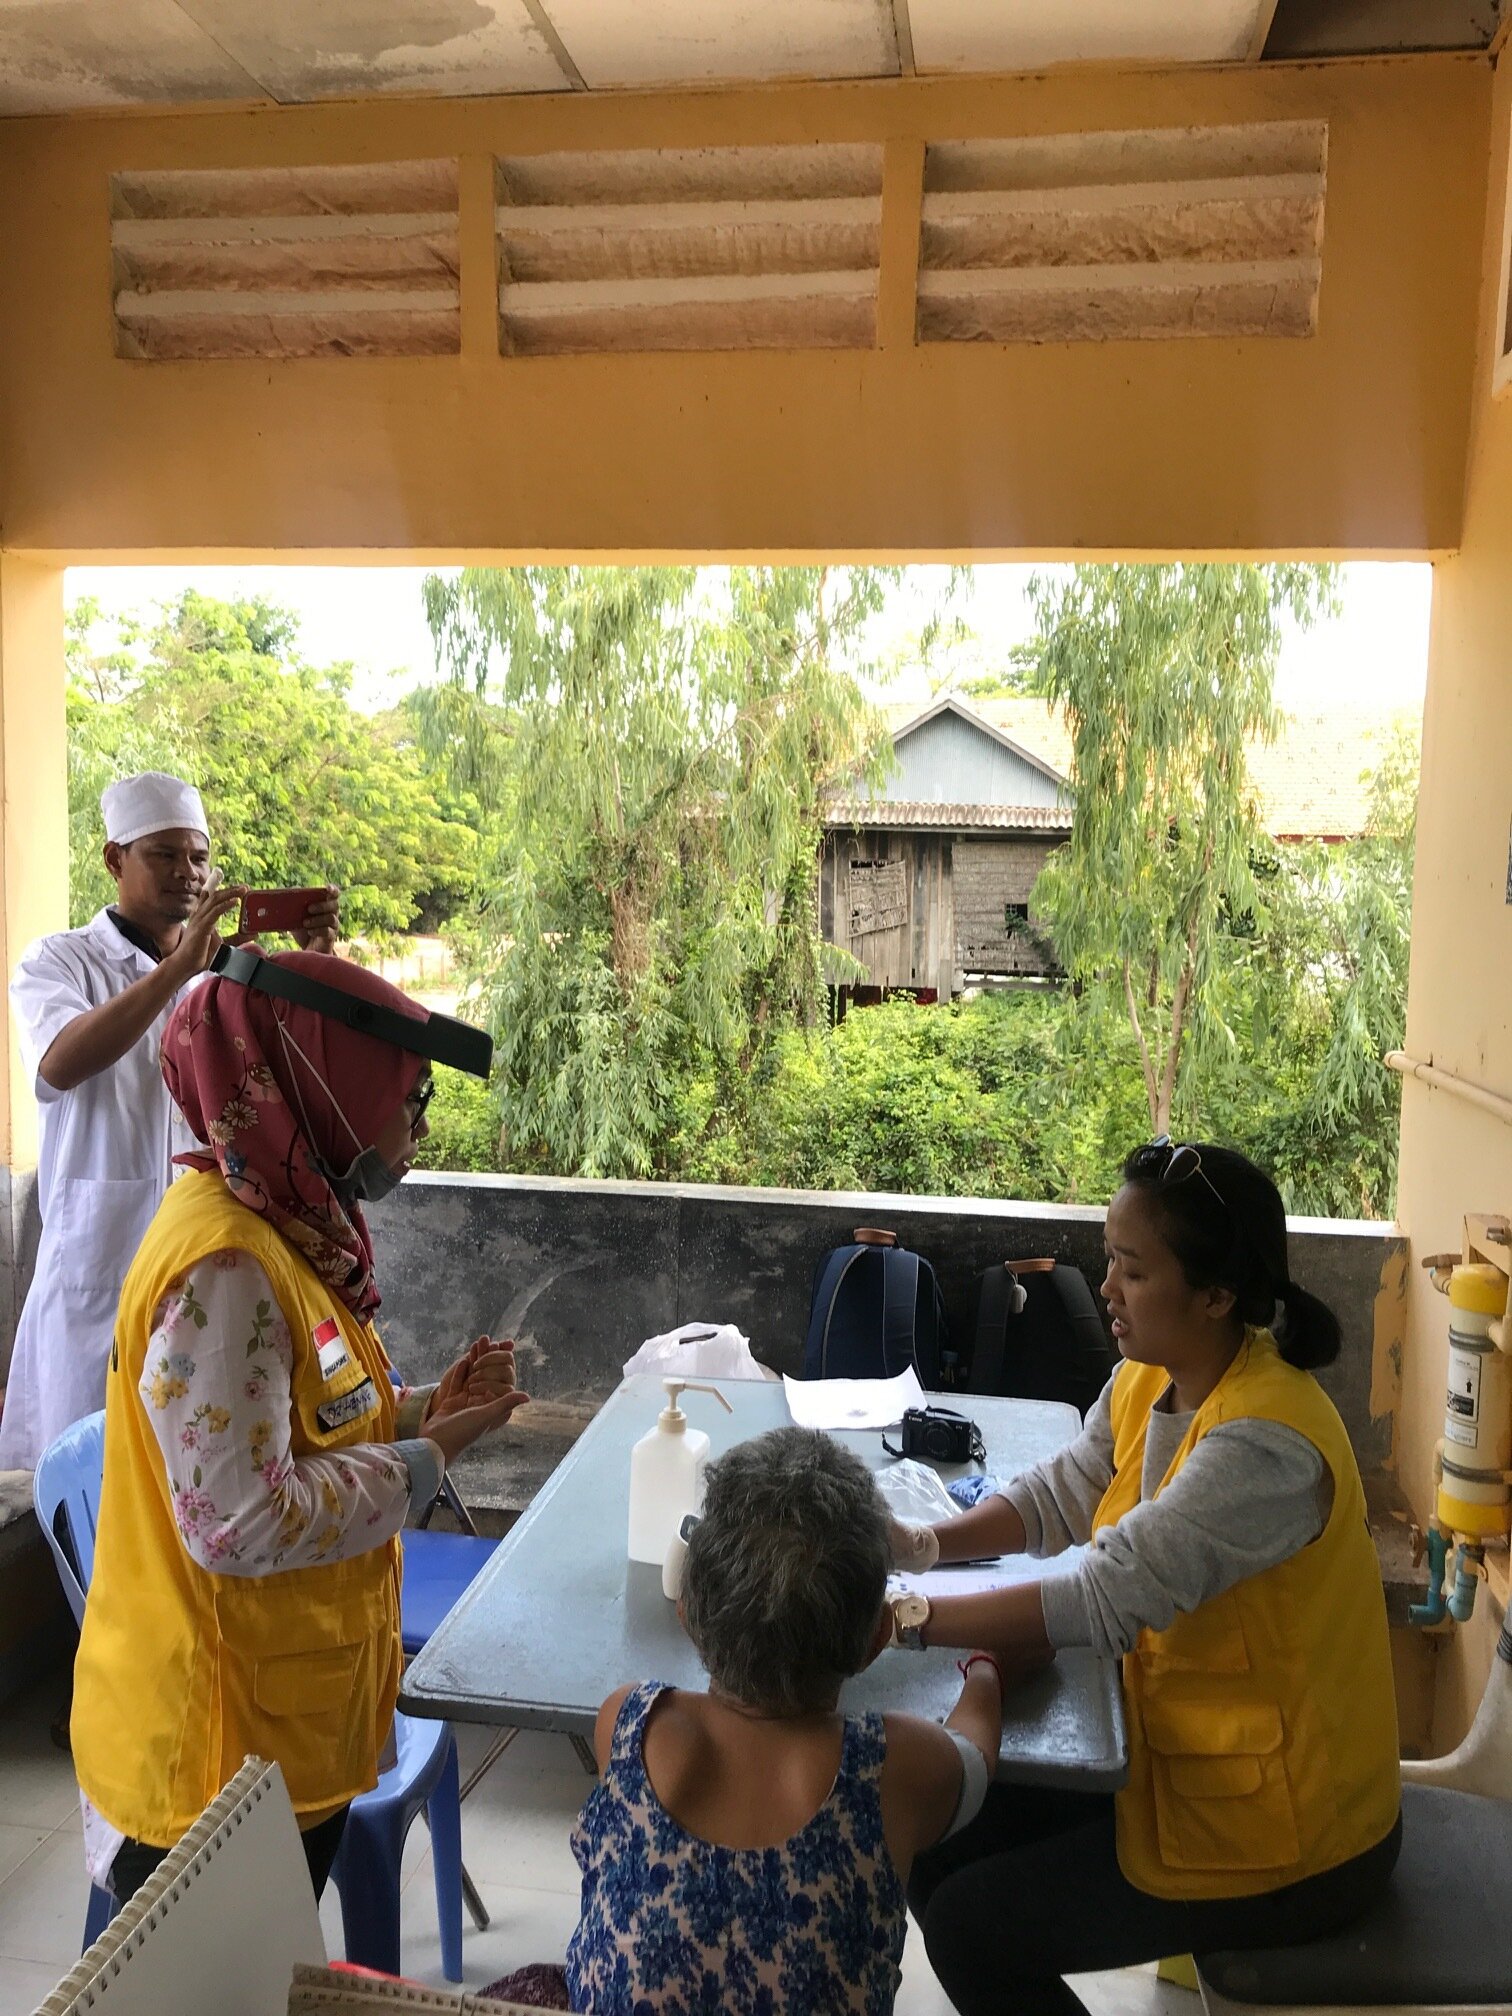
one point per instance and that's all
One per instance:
(913, 1610)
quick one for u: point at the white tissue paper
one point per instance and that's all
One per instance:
(915, 1494)
(699, 1351)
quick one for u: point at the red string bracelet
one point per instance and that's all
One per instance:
(964, 1666)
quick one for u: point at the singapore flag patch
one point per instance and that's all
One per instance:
(332, 1353)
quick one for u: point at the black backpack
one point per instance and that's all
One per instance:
(875, 1310)
(1049, 1346)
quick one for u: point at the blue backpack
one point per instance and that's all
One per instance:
(874, 1311)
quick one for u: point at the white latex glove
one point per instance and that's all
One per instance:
(915, 1549)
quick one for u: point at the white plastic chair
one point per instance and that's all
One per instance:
(1439, 1941)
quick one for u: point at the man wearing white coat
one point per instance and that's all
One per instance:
(91, 1006)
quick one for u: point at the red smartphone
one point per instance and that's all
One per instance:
(275, 910)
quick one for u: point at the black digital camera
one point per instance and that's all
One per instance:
(940, 1436)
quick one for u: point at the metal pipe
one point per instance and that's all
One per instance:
(1446, 1081)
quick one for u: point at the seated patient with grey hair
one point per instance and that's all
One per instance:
(746, 1848)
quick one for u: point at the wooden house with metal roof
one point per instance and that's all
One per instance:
(929, 883)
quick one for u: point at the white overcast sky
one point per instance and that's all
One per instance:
(1375, 653)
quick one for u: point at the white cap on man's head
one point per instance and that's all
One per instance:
(151, 802)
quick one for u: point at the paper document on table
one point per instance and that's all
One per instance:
(970, 1578)
(852, 1403)
(959, 1578)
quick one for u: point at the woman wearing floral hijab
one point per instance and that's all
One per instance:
(258, 1462)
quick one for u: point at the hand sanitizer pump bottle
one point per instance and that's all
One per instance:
(666, 1474)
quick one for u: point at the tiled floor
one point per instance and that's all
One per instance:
(514, 1840)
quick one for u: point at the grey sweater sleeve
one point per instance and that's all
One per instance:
(1057, 1498)
(1251, 1493)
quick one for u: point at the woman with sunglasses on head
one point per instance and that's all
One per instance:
(258, 1461)
(1231, 1569)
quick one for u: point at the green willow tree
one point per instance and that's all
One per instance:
(1164, 673)
(655, 753)
(1320, 993)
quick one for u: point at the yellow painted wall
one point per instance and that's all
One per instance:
(1352, 441)
(1455, 1157)
(34, 800)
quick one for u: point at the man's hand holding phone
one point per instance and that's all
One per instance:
(311, 916)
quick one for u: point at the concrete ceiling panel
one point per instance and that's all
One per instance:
(648, 42)
(75, 55)
(1368, 27)
(454, 48)
(1029, 34)
(72, 55)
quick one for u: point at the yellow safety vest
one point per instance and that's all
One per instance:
(180, 1672)
(1262, 1727)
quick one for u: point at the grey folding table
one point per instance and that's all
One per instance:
(560, 1617)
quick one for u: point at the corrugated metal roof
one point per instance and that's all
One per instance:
(1312, 782)
(934, 817)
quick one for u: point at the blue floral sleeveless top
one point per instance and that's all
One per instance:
(675, 1926)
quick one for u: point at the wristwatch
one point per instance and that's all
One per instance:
(910, 1615)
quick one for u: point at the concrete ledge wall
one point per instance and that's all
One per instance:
(20, 1229)
(581, 1272)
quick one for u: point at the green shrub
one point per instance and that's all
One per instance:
(971, 1100)
(1029, 1095)
(464, 1125)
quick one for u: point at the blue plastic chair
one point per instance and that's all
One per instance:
(438, 1568)
(66, 1494)
(366, 1869)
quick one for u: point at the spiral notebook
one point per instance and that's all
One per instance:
(218, 1928)
(318, 1992)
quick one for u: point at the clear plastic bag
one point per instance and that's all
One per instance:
(915, 1494)
(699, 1351)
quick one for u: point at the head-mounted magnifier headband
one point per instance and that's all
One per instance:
(441, 1038)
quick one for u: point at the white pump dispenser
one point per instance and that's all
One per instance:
(666, 1474)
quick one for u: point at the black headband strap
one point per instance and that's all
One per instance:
(441, 1038)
